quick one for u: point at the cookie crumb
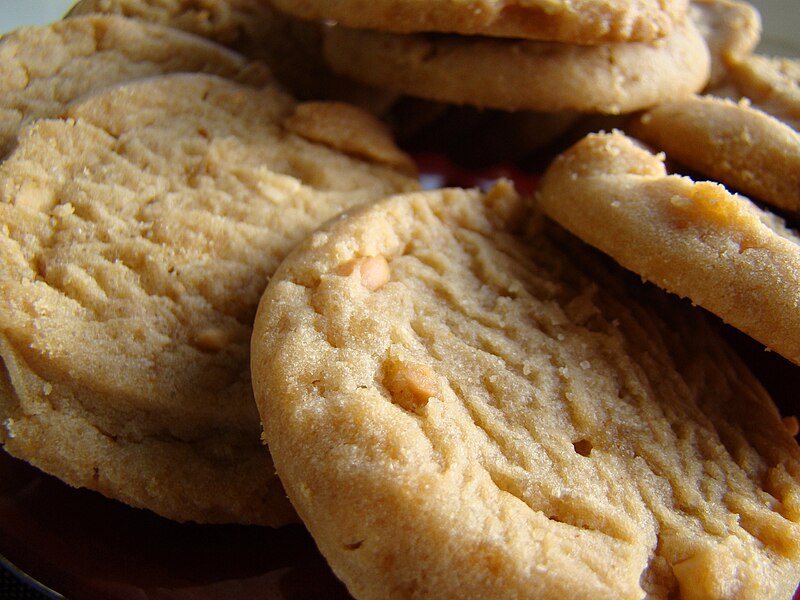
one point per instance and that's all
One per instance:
(374, 270)
(792, 425)
(583, 447)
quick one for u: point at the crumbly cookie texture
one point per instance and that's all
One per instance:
(576, 21)
(290, 46)
(732, 30)
(772, 83)
(516, 74)
(695, 239)
(42, 69)
(733, 143)
(137, 236)
(460, 408)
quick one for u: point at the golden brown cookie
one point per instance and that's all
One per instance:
(459, 409)
(771, 83)
(733, 143)
(137, 236)
(731, 28)
(42, 69)
(516, 74)
(290, 47)
(694, 239)
(577, 21)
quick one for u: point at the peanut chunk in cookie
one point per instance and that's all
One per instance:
(214, 339)
(692, 576)
(710, 201)
(374, 270)
(410, 384)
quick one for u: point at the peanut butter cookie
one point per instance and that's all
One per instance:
(42, 69)
(137, 235)
(291, 47)
(462, 409)
(517, 74)
(695, 239)
(732, 30)
(733, 143)
(772, 83)
(576, 21)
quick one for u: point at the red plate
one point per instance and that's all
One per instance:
(86, 546)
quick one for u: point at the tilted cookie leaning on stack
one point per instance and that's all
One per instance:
(734, 143)
(692, 238)
(771, 84)
(701, 239)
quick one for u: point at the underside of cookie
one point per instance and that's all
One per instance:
(137, 236)
(460, 408)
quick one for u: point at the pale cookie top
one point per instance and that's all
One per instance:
(461, 411)
(137, 237)
(290, 46)
(42, 69)
(517, 74)
(577, 21)
(695, 239)
(732, 29)
(772, 83)
(733, 143)
(227, 22)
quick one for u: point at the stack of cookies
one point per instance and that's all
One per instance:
(607, 57)
(723, 243)
(463, 73)
(459, 394)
